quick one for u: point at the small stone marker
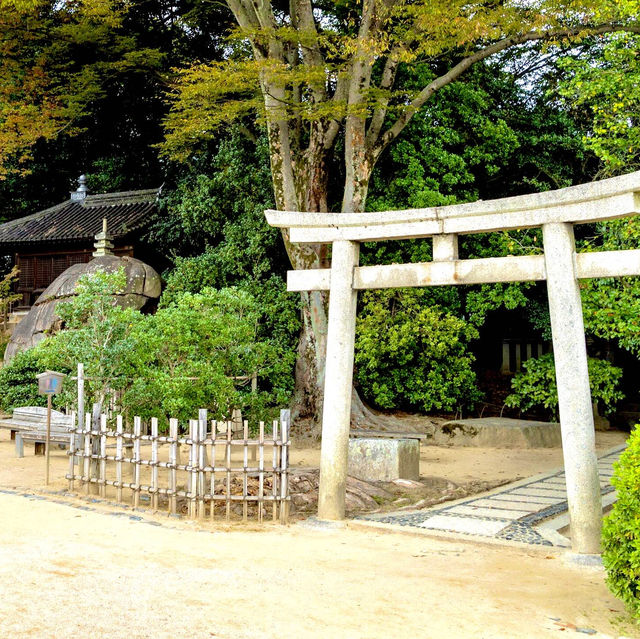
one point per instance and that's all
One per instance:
(377, 459)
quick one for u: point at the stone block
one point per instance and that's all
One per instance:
(378, 459)
(498, 432)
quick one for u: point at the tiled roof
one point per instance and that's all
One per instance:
(79, 221)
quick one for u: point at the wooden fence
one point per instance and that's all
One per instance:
(218, 473)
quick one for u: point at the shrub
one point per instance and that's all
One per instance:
(18, 384)
(621, 531)
(185, 357)
(410, 355)
(535, 386)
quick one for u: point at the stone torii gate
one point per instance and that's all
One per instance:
(556, 212)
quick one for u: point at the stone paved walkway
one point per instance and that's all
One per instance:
(516, 512)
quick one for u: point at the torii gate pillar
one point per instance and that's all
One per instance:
(574, 394)
(336, 416)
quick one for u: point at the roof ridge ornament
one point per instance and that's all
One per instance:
(81, 192)
(104, 243)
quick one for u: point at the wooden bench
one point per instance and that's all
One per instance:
(39, 438)
(28, 418)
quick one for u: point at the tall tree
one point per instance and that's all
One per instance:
(322, 76)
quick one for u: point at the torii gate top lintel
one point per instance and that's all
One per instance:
(556, 212)
(595, 201)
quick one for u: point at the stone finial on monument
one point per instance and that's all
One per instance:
(104, 244)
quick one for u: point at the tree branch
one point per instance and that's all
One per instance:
(456, 71)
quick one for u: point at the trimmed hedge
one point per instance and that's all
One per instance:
(621, 530)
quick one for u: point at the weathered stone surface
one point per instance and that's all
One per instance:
(142, 289)
(498, 432)
(377, 459)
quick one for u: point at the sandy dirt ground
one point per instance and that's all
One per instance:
(68, 572)
(72, 573)
(455, 464)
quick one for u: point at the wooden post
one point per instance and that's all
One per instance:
(214, 434)
(80, 401)
(245, 476)
(336, 416)
(285, 420)
(202, 459)
(87, 453)
(274, 481)
(193, 483)
(95, 447)
(119, 451)
(261, 475)
(228, 468)
(137, 433)
(154, 463)
(72, 454)
(48, 438)
(173, 460)
(103, 456)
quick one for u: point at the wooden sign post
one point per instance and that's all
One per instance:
(556, 212)
(49, 383)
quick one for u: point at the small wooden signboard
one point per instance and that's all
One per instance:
(49, 383)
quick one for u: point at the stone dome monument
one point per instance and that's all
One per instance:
(142, 290)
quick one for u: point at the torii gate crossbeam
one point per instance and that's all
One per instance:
(556, 212)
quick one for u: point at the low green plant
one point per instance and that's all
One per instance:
(621, 530)
(18, 385)
(412, 355)
(535, 386)
(198, 351)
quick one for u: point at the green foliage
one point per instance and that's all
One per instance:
(535, 386)
(409, 355)
(608, 84)
(18, 384)
(611, 306)
(170, 364)
(621, 529)
(58, 61)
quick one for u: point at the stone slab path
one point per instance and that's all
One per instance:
(516, 512)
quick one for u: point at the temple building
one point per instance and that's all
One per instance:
(43, 245)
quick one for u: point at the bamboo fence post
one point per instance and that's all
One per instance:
(103, 456)
(80, 401)
(285, 419)
(154, 463)
(274, 487)
(87, 453)
(193, 430)
(95, 445)
(173, 460)
(245, 476)
(214, 433)
(261, 474)
(228, 465)
(72, 454)
(202, 459)
(137, 433)
(119, 459)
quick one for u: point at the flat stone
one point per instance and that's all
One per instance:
(461, 525)
(378, 459)
(500, 504)
(486, 512)
(498, 432)
(549, 499)
(539, 504)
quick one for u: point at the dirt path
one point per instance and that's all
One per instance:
(71, 573)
